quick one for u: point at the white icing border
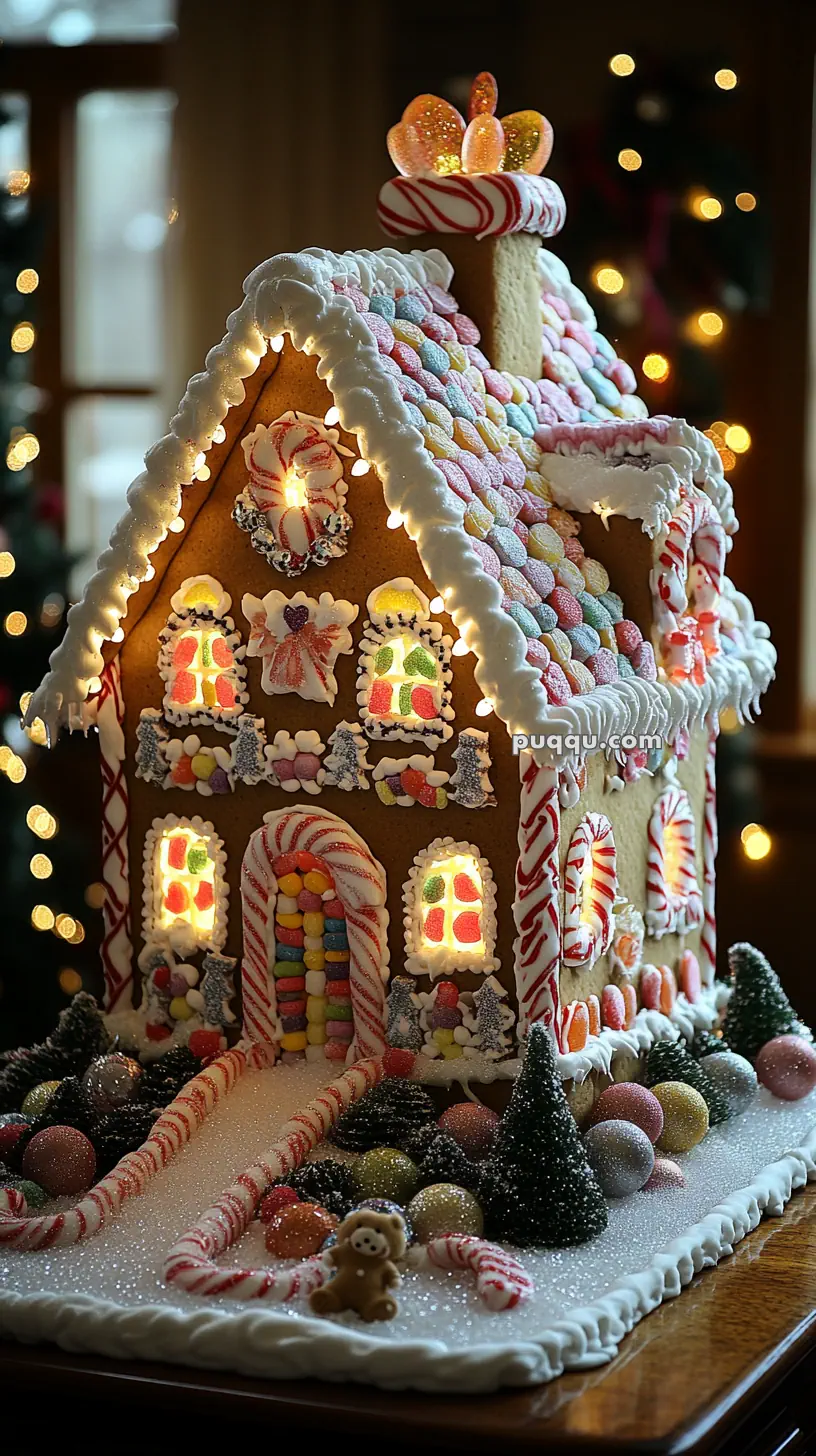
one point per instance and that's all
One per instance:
(180, 936)
(442, 961)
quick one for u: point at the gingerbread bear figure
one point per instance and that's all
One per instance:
(367, 1244)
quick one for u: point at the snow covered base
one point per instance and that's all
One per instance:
(107, 1296)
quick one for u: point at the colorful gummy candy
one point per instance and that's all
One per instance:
(312, 962)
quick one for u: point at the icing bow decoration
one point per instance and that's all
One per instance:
(432, 136)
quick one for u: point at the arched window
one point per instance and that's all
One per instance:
(450, 911)
(185, 892)
(674, 904)
(201, 660)
(403, 682)
(590, 886)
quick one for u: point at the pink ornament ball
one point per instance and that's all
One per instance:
(61, 1160)
(472, 1126)
(787, 1067)
(630, 1102)
(665, 1174)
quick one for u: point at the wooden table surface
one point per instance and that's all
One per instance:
(725, 1368)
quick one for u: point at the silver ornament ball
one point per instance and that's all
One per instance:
(733, 1076)
(620, 1155)
(111, 1081)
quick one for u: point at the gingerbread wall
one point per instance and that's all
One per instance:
(213, 543)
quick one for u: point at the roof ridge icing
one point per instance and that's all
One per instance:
(295, 294)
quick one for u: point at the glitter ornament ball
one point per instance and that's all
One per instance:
(10, 1133)
(665, 1174)
(299, 1230)
(629, 1102)
(472, 1126)
(685, 1117)
(111, 1081)
(620, 1155)
(787, 1067)
(443, 1208)
(38, 1099)
(387, 1205)
(275, 1200)
(734, 1078)
(385, 1173)
(61, 1160)
(34, 1195)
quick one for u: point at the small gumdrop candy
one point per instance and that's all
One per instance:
(483, 145)
(422, 703)
(219, 781)
(285, 864)
(594, 1012)
(204, 896)
(406, 150)
(613, 1008)
(177, 851)
(383, 660)
(200, 595)
(391, 600)
(447, 994)
(184, 687)
(440, 799)
(225, 692)
(419, 663)
(412, 782)
(433, 889)
(690, 982)
(379, 699)
(464, 888)
(651, 986)
(175, 899)
(427, 796)
(528, 141)
(185, 651)
(668, 990)
(440, 129)
(306, 767)
(221, 653)
(629, 995)
(182, 773)
(484, 95)
(578, 1032)
(434, 927)
(161, 977)
(467, 928)
(203, 765)
(284, 769)
(394, 783)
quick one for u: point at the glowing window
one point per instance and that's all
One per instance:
(201, 658)
(406, 687)
(404, 678)
(451, 922)
(185, 893)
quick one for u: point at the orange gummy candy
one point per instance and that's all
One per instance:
(578, 1028)
(528, 141)
(484, 95)
(440, 129)
(406, 150)
(483, 145)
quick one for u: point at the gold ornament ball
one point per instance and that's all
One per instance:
(685, 1117)
(444, 1208)
(38, 1099)
(385, 1173)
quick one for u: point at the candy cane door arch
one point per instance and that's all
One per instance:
(590, 886)
(315, 933)
(673, 900)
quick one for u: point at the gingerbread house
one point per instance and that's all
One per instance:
(406, 660)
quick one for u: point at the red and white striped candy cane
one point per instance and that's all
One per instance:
(116, 949)
(190, 1264)
(292, 452)
(694, 533)
(673, 899)
(176, 1126)
(590, 886)
(537, 947)
(708, 938)
(361, 885)
(501, 1282)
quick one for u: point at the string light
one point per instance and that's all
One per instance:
(70, 981)
(746, 201)
(703, 206)
(484, 708)
(65, 926)
(276, 344)
(395, 520)
(95, 895)
(756, 842)
(725, 79)
(176, 526)
(738, 439)
(629, 159)
(656, 367)
(360, 467)
(41, 866)
(18, 182)
(6, 756)
(27, 280)
(42, 918)
(460, 648)
(729, 721)
(24, 448)
(728, 459)
(706, 326)
(332, 416)
(622, 64)
(78, 935)
(15, 624)
(607, 278)
(437, 604)
(119, 635)
(219, 435)
(16, 769)
(22, 338)
(40, 822)
(7, 564)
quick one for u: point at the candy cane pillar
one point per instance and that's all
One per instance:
(360, 882)
(535, 910)
(117, 950)
(708, 938)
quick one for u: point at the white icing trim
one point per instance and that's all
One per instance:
(443, 960)
(180, 936)
(648, 1027)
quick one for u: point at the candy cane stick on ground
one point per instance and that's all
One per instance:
(176, 1126)
(501, 1282)
(190, 1263)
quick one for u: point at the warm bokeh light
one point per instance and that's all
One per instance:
(16, 769)
(18, 182)
(52, 609)
(70, 981)
(40, 822)
(95, 895)
(35, 733)
(756, 842)
(726, 79)
(703, 206)
(27, 280)
(15, 624)
(710, 323)
(608, 279)
(78, 935)
(622, 64)
(7, 564)
(728, 458)
(629, 159)
(40, 866)
(656, 367)
(738, 439)
(24, 448)
(746, 202)
(729, 721)
(66, 926)
(717, 432)
(6, 756)
(42, 918)
(22, 338)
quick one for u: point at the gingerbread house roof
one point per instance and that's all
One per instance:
(580, 459)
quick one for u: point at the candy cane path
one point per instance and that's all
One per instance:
(107, 1296)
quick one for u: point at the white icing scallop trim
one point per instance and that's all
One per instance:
(180, 936)
(294, 295)
(443, 960)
